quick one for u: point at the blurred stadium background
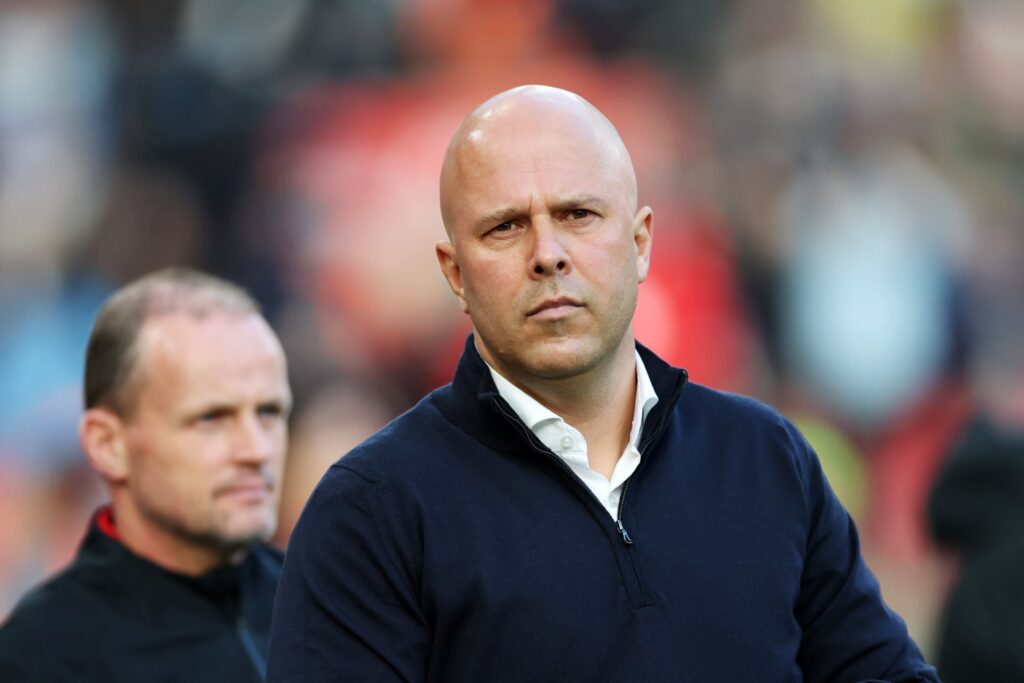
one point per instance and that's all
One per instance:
(839, 221)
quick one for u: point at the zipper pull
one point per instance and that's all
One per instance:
(623, 532)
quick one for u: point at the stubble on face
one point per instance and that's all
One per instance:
(196, 378)
(528, 151)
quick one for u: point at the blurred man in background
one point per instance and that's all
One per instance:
(570, 507)
(186, 407)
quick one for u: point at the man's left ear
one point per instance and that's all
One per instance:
(643, 224)
(102, 435)
(449, 262)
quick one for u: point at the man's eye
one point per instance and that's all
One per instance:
(502, 230)
(212, 416)
(271, 410)
(579, 214)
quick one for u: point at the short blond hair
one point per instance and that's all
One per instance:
(111, 355)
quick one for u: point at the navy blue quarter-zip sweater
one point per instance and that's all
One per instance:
(453, 546)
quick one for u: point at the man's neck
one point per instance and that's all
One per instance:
(165, 549)
(599, 403)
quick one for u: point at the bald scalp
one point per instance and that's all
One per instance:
(523, 111)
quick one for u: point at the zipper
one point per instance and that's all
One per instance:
(618, 522)
(540, 448)
(643, 452)
(250, 647)
(630, 577)
(625, 485)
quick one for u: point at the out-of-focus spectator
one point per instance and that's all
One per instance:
(977, 510)
(867, 292)
(186, 409)
(55, 75)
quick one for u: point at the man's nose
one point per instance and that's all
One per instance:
(255, 440)
(549, 255)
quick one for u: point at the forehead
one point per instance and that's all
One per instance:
(218, 356)
(512, 165)
(535, 135)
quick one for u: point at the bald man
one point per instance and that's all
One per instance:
(570, 507)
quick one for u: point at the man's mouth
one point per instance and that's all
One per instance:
(249, 489)
(554, 308)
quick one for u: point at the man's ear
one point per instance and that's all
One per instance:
(449, 262)
(643, 225)
(102, 435)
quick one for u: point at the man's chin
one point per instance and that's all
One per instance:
(551, 358)
(561, 359)
(239, 534)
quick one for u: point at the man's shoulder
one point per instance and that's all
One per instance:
(397, 445)
(717, 404)
(725, 422)
(63, 615)
(415, 455)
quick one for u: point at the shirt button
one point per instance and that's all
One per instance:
(566, 442)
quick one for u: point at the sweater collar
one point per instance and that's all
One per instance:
(477, 407)
(539, 417)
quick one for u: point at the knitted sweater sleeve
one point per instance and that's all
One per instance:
(346, 607)
(849, 634)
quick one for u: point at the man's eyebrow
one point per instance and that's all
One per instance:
(207, 407)
(499, 216)
(581, 201)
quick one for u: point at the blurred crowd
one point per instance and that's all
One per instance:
(839, 222)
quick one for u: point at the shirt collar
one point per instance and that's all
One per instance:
(646, 399)
(535, 415)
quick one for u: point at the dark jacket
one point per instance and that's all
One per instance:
(976, 508)
(453, 546)
(112, 616)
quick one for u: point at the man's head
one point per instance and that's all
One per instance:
(187, 398)
(546, 245)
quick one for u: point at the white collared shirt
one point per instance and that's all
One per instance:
(568, 443)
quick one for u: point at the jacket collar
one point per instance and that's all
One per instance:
(104, 552)
(475, 405)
